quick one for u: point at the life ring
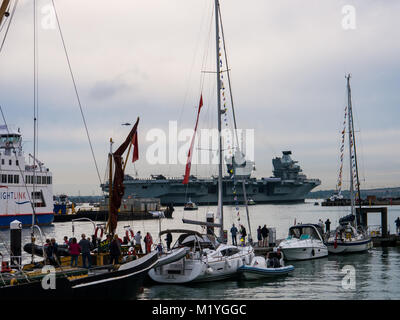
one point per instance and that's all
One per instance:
(101, 232)
(129, 232)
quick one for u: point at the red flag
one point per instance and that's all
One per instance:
(335, 243)
(135, 144)
(189, 158)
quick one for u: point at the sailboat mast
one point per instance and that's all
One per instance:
(110, 186)
(354, 145)
(351, 133)
(220, 202)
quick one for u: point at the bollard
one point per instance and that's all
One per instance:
(15, 243)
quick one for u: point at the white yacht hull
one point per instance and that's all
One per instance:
(350, 246)
(201, 270)
(305, 253)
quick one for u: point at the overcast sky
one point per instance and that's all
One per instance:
(288, 62)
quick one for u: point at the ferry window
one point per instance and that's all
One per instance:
(3, 178)
(39, 179)
(2, 161)
(17, 162)
(16, 179)
(50, 178)
(10, 162)
(10, 178)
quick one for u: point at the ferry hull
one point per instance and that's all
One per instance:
(41, 219)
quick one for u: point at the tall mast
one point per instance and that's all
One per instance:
(220, 202)
(354, 144)
(110, 186)
(351, 135)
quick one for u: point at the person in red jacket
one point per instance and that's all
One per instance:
(74, 251)
(148, 240)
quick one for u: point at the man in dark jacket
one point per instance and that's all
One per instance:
(327, 226)
(264, 233)
(234, 232)
(86, 246)
(169, 240)
(115, 250)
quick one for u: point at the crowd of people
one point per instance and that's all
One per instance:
(262, 235)
(85, 246)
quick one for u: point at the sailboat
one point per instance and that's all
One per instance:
(105, 281)
(350, 235)
(209, 258)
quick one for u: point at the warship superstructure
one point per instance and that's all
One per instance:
(287, 184)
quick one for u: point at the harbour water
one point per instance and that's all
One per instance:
(375, 275)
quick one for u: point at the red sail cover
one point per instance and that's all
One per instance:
(189, 158)
(118, 186)
(135, 154)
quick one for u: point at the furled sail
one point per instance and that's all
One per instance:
(118, 188)
(190, 153)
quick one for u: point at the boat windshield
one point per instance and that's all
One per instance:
(194, 241)
(303, 233)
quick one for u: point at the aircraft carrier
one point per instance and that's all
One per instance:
(287, 185)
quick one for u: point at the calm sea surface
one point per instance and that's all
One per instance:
(377, 273)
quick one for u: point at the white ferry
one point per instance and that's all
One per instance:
(22, 184)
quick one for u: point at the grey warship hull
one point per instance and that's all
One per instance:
(287, 185)
(204, 191)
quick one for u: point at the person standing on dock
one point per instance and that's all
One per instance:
(138, 238)
(259, 236)
(234, 232)
(328, 226)
(85, 250)
(321, 225)
(243, 235)
(168, 239)
(397, 221)
(74, 251)
(115, 250)
(148, 240)
(265, 233)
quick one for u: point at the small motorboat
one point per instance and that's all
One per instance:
(259, 268)
(304, 242)
(190, 205)
(251, 202)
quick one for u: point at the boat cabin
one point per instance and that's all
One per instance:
(306, 231)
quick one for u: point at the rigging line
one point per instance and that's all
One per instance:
(76, 89)
(8, 26)
(229, 77)
(34, 109)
